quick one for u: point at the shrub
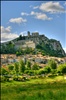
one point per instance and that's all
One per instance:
(2, 79)
(47, 69)
(18, 53)
(35, 67)
(26, 71)
(4, 71)
(20, 78)
(41, 72)
(61, 69)
(12, 72)
(22, 66)
(30, 72)
(10, 67)
(43, 53)
(54, 71)
(52, 64)
(15, 78)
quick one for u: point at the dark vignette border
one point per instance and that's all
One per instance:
(0, 28)
(33, 0)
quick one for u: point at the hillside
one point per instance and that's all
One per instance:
(38, 43)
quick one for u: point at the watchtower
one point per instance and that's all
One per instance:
(28, 34)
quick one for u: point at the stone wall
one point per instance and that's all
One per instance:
(26, 44)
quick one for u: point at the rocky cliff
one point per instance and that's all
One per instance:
(41, 43)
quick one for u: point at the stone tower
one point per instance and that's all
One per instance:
(28, 34)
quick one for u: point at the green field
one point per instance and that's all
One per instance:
(35, 89)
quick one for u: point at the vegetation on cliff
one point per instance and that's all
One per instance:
(44, 45)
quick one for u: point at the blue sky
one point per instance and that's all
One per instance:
(48, 18)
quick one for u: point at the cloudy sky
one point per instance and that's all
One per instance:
(48, 18)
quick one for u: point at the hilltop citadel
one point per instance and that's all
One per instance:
(34, 40)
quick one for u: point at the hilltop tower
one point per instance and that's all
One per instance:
(28, 34)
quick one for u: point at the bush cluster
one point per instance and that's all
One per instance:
(20, 70)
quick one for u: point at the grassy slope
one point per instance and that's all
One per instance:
(35, 89)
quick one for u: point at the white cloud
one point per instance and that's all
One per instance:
(6, 34)
(17, 20)
(24, 14)
(5, 30)
(32, 13)
(40, 16)
(52, 7)
(24, 33)
(37, 15)
(35, 7)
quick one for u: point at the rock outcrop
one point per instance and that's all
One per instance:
(51, 47)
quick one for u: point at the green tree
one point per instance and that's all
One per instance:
(4, 71)
(16, 65)
(27, 50)
(52, 64)
(35, 66)
(20, 37)
(62, 68)
(22, 66)
(41, 71)
(47, 69)
(28, 65)
(18, 53)
(10, 67)
(8, 48)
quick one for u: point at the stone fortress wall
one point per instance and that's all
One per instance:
(29, 41)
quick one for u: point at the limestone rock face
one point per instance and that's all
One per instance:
(57, 46)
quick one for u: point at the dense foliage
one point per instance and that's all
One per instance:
(52, 64)
(21, 68)
(10, 49)
(62, 68)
